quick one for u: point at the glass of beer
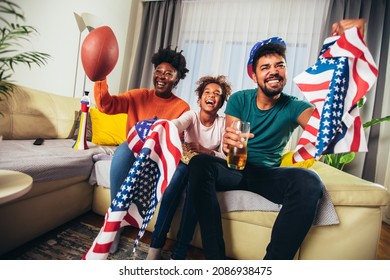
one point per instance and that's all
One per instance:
(236, 157)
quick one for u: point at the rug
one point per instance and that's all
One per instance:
(74, 241)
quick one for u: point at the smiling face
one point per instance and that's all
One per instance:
(211, 99)
(165, 79)
(270, 74)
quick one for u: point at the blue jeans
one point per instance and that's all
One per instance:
(297, 189)
(168, 207)
(121, 163)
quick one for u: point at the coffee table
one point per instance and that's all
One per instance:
(13, 184)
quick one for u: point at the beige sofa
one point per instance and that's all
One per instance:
(29, 114)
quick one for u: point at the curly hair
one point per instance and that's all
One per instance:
(219, 80)
(173, 57)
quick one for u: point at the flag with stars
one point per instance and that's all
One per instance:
(157, 147)
(342, 75)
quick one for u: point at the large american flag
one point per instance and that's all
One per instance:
(157, 147)
(342, 75)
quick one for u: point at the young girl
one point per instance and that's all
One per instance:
(203, 132)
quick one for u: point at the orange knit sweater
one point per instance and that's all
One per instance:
(138, 104)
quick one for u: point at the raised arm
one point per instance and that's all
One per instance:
(339, 27)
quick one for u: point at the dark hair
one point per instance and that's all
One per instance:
(219, 80)
(176, 59)
(270, 48)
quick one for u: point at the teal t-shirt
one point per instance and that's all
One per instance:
(272, 128)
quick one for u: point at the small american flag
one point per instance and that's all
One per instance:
(157, 146)
(343, 73)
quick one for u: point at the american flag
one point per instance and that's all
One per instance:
(157, 146)
(342, 75)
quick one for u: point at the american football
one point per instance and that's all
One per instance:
(99, 53)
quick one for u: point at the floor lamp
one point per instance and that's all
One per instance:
(84, 21)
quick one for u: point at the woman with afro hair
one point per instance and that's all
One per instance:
(142, 104)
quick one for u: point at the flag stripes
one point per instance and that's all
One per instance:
(157, 147)
(342, 75)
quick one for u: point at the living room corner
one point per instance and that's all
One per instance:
(68, 183)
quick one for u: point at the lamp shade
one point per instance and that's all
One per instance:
(99, 53)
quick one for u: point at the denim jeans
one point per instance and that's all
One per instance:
(121, 163)
(297, 189)
(168, 207)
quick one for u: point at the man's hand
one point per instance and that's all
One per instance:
(233, 138)
(339, 27)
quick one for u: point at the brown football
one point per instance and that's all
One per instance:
(99, 53)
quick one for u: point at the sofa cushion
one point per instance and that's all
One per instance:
(54, 159)
(287, 160)
(231, 201)
(29, 114)
(108, 129)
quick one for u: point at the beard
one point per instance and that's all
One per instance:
(270, 92)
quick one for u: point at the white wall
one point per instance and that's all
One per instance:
(59, 37)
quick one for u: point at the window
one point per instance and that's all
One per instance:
(216, 37)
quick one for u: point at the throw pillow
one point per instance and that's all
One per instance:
(287, 161)
(109, 130)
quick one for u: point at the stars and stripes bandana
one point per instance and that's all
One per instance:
(342, 75)
(157, 147)
(258, 45)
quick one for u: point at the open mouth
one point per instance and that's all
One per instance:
(210, 102)
(273, 81)
(160, 84)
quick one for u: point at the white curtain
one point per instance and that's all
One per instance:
(383, 158)
(217, 36)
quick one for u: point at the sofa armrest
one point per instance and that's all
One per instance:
(348, 190)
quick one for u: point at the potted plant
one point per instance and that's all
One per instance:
(13, 33)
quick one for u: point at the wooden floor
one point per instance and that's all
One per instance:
(96, 220)
(195, 253)
(384, 243)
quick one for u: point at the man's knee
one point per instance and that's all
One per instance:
(311, 184)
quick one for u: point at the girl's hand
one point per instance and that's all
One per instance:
(197, 148)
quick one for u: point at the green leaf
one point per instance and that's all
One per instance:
(361, 101)
(376, 121)
(12, 51)
(347, 158)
